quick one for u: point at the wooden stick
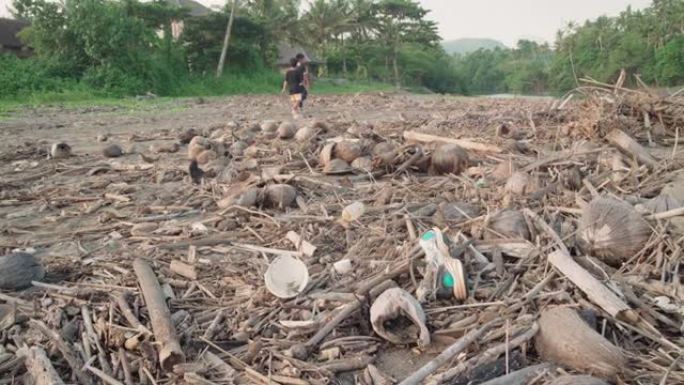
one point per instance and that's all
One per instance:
(106, 378)
(170, 352)
(128, 313)
(128, 378)
(347, 364)
(667, 214)
(595, 290)
(628, 145)
(39, 367)
(520, 377)
(413, 136)
(184, 270)
(418, 376)
(74, 361)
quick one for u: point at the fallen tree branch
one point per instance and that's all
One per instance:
(412, 136)
(170, 352)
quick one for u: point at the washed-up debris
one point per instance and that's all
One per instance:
(60, 151)
(112, 151)
(17, 270)
(272, 267)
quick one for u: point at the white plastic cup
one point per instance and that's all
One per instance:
(286, 277)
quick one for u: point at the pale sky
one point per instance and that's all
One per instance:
(503, 20)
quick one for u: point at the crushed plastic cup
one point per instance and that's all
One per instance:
(286, 277)
(353, 212)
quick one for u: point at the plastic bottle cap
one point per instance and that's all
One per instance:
(448, 280)
(428, 235)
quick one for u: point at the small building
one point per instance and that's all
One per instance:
(9, 41)
(195, 10)
(287, 52)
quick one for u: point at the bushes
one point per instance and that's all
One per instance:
(19, 78)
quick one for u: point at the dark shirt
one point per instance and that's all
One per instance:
(294, 78)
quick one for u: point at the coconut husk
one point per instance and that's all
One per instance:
(286, 130)
(504, 170)
(393, 304)
(238, 148)
(197, 145)
(565, 339)
(364, 163)
(659, 204)
(186, 136)
(674, 189)
(612, 230)
(456, 212)
(347, 151)
(384, 153)
(337, 166)
(240, 196)
(269, 126)
(142, 229)
(449, 159)
(508, 224)
(577, 380)
(279, 195)
(206, 156)
(320, 124)
(164, 148)
(520, 183)
(305, 134)
(17, 270)
(60, 151)
(326, 155)
(112, 151)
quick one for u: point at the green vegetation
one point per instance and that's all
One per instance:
(468, 45)
(647, 43)
(118, 48)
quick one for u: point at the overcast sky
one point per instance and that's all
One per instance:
(504, 20)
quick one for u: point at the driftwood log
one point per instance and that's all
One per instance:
(170, 352)
(412, 136)
(520, 377)
(597, 292)
(38, 366)
(565, 339)
(629, 146)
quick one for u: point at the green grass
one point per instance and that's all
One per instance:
(263, 83)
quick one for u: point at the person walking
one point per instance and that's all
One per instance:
(303, 64)
(293, 84)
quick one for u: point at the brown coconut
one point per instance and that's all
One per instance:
(520, 183)
(326, 155)
(238, 148)
(286, 130)
(305, 134)
(508, 224)
(347, 150)
(112, 151)
(17, 270)
(320, 124)
(363, 163)
(186, 136)
(268, 126)
(279, 195)
(60, 151)
(612, 230)
(456, 212)
(503, 170)
(337, 166)
(576, 380)
(384, 151)
(244, 197)
(449, 159)
(565, 339)
(206, 156)
(197, 145)
(168, 148)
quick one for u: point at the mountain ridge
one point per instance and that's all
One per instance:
(469, 44)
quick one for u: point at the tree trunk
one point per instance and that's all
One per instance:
(226, 40)
(396, 68)
(344, 58)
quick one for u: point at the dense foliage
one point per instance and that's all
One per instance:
(647, 43)
(124, 47)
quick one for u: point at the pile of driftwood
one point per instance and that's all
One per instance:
(129, 267)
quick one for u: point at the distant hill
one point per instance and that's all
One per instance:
(467, 45)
